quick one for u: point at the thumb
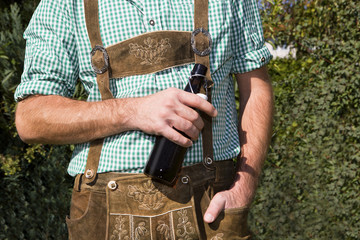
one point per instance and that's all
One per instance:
(216, 205)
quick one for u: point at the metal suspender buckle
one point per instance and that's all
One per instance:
(106, 59)
(193, 42)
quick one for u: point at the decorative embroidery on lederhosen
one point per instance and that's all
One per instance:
(218, 236)
(164, 230)
(185, 228)
(141, 231)
(149, 197)
(120, 231)
(152, 52)
(154, 219)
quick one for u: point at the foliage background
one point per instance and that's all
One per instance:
(310, 187)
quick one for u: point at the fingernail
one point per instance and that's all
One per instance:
(208, 218)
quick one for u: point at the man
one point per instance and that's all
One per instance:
(146, 105)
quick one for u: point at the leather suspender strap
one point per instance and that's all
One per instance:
(202, 44)
(202, 41)
(102, 79)
(92, 22)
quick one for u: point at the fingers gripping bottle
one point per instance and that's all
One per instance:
(166, 158)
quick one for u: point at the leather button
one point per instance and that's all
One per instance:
(185, 179)
(112, 185)
(208, 161)
(89, 173)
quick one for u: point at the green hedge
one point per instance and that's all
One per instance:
(310, 187)
(310, 184)
(35, 200)
(35, 189)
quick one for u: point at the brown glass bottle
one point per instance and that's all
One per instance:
(166, 158)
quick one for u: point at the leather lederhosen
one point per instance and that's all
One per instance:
(133, 206)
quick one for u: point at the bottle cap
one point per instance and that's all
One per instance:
(203, 96)
(199, 69)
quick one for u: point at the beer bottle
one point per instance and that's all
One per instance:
(166, 158)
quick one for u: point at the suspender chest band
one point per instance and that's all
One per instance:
(144, 54)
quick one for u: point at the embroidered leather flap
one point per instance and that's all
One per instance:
(148, 53)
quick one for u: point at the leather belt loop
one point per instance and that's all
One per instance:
(77, 182)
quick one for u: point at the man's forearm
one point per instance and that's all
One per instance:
(255, 125)
(255, 120)
(59, 120)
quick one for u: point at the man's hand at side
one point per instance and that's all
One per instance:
(255, 120)
(59, 120)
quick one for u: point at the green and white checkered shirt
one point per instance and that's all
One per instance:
(58, 54)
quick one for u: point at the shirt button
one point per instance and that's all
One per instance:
(152, 22)
(262, 59)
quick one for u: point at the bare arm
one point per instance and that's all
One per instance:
(59, 120)
(255, 121)
(255, 125)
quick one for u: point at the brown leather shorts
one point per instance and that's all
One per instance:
(132, 206)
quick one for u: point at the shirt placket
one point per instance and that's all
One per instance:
(152, 22)
(151, 17)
